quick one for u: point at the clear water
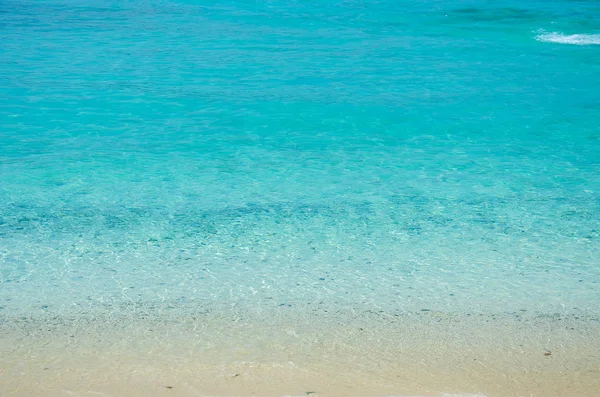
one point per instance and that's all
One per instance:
(399, 155)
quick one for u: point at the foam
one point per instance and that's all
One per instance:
(576, 39)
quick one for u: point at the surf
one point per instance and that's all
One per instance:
(576, 39)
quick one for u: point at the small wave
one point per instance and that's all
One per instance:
(577, 39)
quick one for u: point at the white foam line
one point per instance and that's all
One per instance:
(576, 39)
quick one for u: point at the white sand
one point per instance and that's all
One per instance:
(300, 354)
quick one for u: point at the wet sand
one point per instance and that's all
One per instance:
(291, 351)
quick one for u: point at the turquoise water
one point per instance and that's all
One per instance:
(398, 155)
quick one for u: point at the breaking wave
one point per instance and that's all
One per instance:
(577, 39)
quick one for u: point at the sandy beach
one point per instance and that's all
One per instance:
(298, 353)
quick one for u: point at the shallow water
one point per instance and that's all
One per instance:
(385, 156)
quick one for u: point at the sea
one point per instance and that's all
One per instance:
(283, 197)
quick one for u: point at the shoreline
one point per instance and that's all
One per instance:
(292, 352)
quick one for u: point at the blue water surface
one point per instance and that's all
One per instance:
(403, 155)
